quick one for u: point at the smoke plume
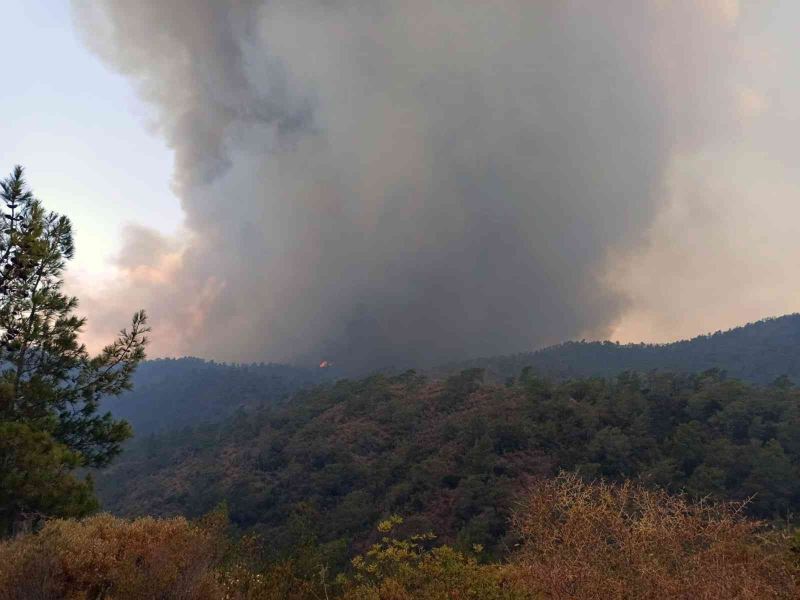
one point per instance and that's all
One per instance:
(395, 183)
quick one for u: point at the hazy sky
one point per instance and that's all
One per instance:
(703, 234)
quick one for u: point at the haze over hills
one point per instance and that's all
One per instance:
(757, 352)
(175, 393)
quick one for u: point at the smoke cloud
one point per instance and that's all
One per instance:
(395, 183)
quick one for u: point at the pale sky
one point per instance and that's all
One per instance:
(722, 250)
(81, 133)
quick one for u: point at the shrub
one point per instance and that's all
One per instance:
(600, 540)
(404, 569)
(577, 540)
(106, 557)
(281, 581)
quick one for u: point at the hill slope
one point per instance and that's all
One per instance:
(175, 393)
(452, 454)
(758, 352)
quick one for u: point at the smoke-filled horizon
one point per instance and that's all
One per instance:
(399, 183)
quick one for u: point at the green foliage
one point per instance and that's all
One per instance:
(450, 455)
(409, 568)
(50, 388)
(35, 475)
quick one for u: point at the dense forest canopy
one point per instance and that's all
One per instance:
(173, 393)
(450, 455)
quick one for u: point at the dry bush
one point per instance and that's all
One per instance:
(107, 557)
(601, 540)
(578, 540)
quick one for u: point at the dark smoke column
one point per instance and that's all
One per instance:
(391, 183)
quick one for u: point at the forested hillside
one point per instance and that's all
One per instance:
(173, 393)
(451, 455)
(758, 352)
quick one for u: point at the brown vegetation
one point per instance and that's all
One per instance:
(625, 541)
(107, 557)
(576, 540)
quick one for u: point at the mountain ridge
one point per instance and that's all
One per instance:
(176, 392)
(757, 352)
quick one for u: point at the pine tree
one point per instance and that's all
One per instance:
(50, 387)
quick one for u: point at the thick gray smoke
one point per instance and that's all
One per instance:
(383, 183)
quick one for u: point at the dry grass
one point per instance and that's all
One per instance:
(607, 541)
